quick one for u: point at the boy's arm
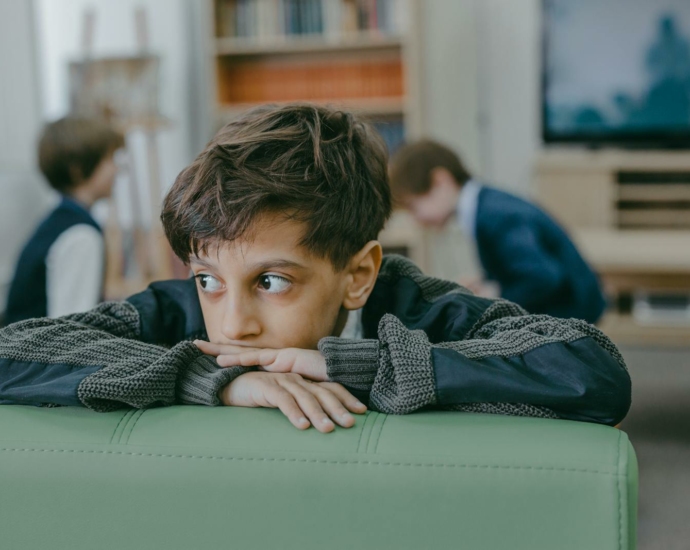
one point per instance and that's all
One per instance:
(97, 359)
(475, 355)
(529, 275)
(509, 362)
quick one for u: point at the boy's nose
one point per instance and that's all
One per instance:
(239, 321)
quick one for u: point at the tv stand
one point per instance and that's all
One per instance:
(629, 212)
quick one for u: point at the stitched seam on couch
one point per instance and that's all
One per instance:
(378, 436)
(317, 461)
(620, 493)
(132, 424)
(375, 427)
(116, 431)
(366, 428)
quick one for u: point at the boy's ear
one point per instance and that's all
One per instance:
(441, 177)
(76, 177)
(362, 270)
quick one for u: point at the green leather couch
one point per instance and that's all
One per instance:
(198, 478)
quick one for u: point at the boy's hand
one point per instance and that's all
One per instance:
(304, 403)
(308, 363)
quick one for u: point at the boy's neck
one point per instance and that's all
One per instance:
(83, 195)
(340, 322)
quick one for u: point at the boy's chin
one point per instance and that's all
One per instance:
(436, 225)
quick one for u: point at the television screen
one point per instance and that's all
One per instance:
(617, 71)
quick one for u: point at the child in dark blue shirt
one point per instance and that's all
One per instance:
(521, 248)
(61, 268)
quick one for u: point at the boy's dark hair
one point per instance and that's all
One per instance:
(71, 148)
(316, 165)
(412, 165)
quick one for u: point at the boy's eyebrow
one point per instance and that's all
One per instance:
(260, 266)
(272, 264)
(197, 260)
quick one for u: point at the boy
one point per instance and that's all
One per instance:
(292, 305)
(522, 249)
(61, 268)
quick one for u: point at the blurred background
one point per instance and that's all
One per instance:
(583, 106)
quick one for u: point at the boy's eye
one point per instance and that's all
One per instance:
(273, 283)
(209, 283)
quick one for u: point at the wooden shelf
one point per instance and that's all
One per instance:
(627, 212)
(623, 329)
(385, 106)
(670, 218)
(286, 45)
(658, 192)
(580, 159)
(662, 251)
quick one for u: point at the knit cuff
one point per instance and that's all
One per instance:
(203, 379)
(352, 363)
(406, 380)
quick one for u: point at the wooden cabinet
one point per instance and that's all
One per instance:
(629, 212)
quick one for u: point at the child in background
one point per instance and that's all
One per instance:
(61, 268)
(526, 256)
(293, 306)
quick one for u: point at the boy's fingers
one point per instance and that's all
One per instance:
(332, 405)
(311, 407)
(207, 347)
(345, 397)
(236, 360)
(254, 358)
(221, 349)
(289, 407)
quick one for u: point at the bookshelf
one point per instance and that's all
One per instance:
(360, 55)
(285, 45)
(347, 53)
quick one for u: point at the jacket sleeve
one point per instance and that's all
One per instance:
(98, 359)
(509, 362)
(532, 276)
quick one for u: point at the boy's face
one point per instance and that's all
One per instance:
(437, 205)
(103, 178)
(269, 292)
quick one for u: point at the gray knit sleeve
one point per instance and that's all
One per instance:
(527, 365)
(353, 363)
(95, 359)
(396, 369)
(146, 375)
(507, 362)
(398, 372)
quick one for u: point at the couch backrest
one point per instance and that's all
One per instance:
(197, 477)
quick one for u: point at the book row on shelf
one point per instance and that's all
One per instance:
(258, 82)
(268, 19)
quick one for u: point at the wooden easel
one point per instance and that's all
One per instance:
(152, 254)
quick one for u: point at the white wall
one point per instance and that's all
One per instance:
(480, 63)
(19, 119)
(449, 71)
(509, 79)
(481, 95)
(25, 198)
(59, 29)
(37, 40)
